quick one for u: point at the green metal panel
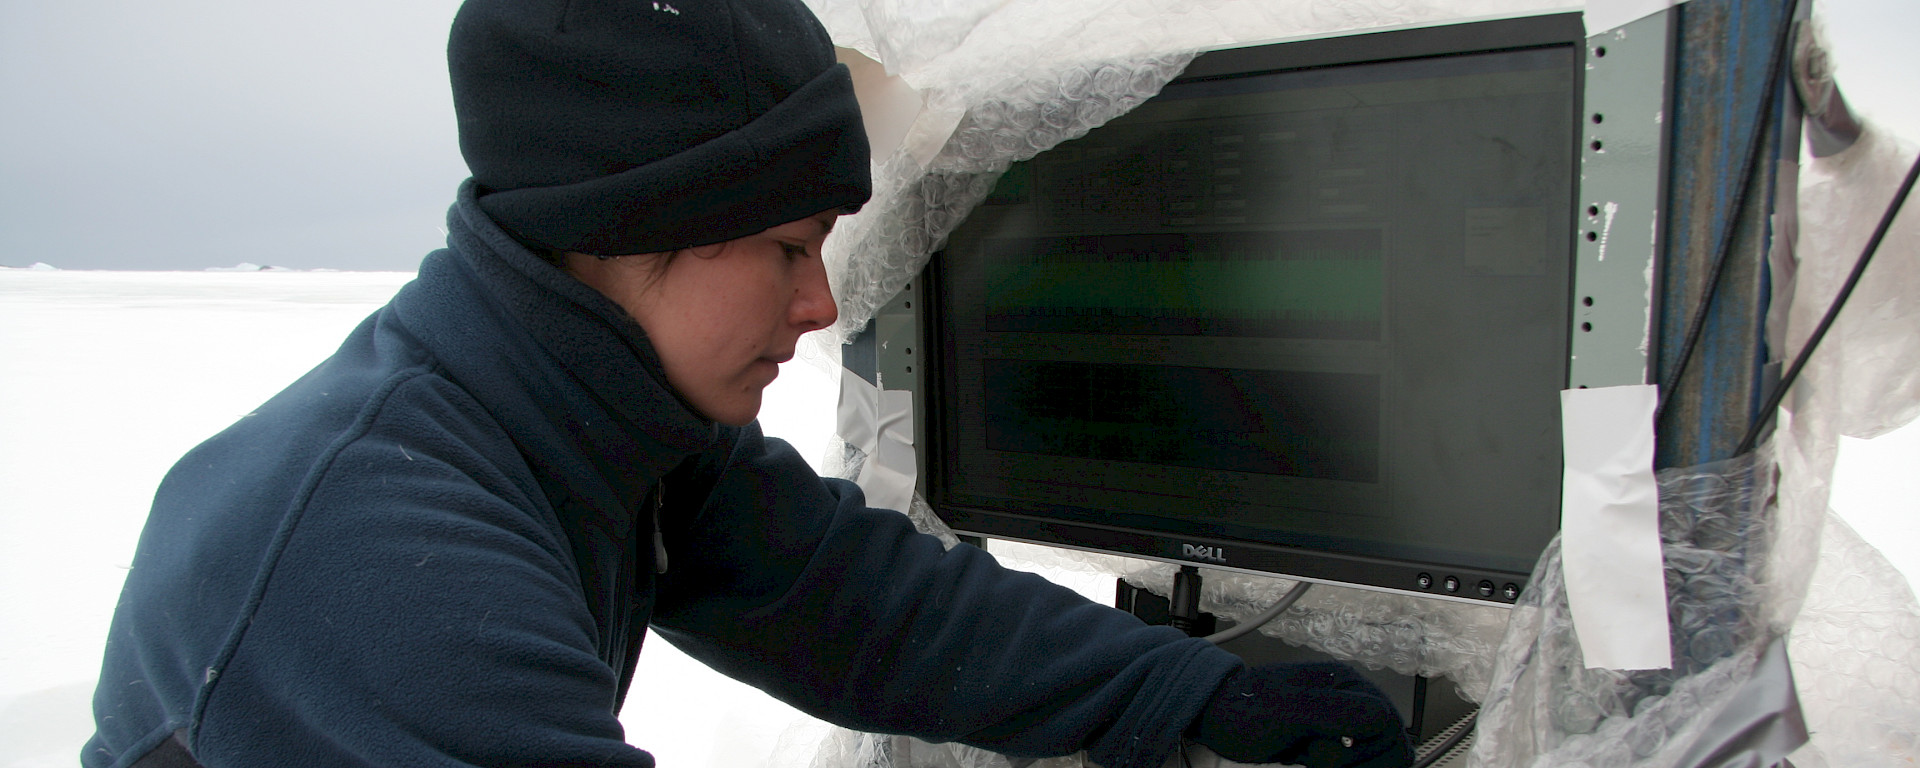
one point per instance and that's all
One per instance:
(1623, 153)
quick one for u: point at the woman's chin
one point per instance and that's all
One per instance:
(736, 409)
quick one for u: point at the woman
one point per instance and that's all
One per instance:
(444, 545)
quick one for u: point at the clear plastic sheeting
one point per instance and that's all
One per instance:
(1546, 708)
(935, 43)
(1855, 632)
(815, 744)
(1856, 655)
(916, 205)
(1870, 359)
(1000, 81)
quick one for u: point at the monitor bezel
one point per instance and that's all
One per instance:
(1456, 583)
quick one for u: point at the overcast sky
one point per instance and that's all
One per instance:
(197, 133)
(201, 133)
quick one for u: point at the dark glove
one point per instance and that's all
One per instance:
(1319, 715)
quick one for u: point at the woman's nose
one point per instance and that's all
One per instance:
(813, 306)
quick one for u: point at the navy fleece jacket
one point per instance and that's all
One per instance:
(435, 549)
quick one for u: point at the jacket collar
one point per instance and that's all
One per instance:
(567, 372)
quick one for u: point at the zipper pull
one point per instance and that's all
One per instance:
(659, 539)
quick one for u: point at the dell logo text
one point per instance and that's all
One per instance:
(1195, 552)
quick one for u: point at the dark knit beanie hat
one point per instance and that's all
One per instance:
(613, 127)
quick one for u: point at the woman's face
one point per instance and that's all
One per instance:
(723, 317)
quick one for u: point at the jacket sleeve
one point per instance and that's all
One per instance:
(787, 582)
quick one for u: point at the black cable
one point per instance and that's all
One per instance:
(1419, 716)
(1183, 601)
(1286, 601)
(1765, 416)
(1722, 253)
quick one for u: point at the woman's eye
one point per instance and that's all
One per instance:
(793, 251)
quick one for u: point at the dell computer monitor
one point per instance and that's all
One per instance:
(1305, 313)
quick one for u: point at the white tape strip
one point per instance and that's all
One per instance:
(859, 412)
(1610, 528)
(889, 106)
(880, 424)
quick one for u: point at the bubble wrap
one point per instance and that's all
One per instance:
(1003, 80)
(1870, 358)
(1409, 635)
(1856, 654)
(1547, 709)
(916, 206)
(814, 744)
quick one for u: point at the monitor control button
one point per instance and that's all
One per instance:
(1425, 580)
(1452, 584)
(1486, 588)
(1511, 591)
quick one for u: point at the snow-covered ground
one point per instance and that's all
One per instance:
(107, 377)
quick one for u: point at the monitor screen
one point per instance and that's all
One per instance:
(1289, 316)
